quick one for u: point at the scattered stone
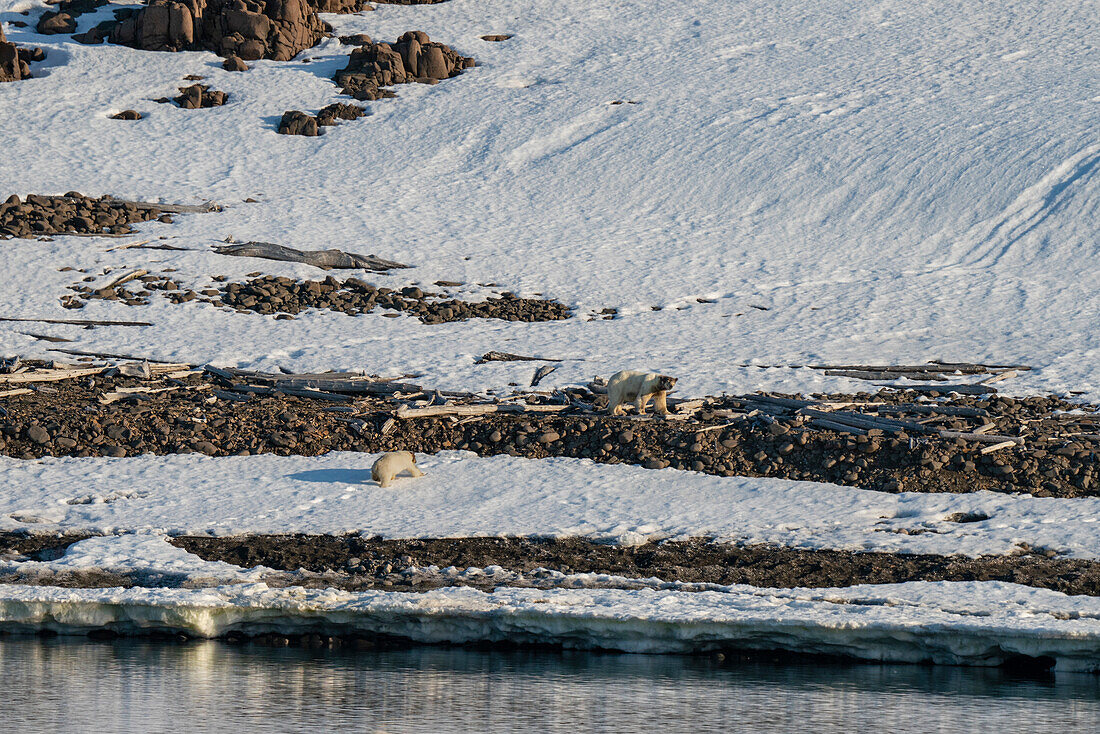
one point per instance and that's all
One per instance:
(540, 562)
(977, 516)
(54, 22)
(126, 115)
(198, 96)
(270, 295)
(497, 38)
(234, 63)
(359, 39)
(71, 213)
(63, 19)
(414, 58)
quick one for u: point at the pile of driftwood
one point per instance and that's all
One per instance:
(873, 418)
(934, 371)
(15, 376)
(409, 400)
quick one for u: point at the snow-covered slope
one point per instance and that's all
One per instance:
(464, 495)
(893, 182)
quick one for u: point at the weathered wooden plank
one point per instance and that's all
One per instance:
(953, 410)
(833, 426)
(50, 375)
(979, 437)
(464, 410)
(112, 355)
(998, 446)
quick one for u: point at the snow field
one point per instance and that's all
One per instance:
(464, 495)
(893, 183)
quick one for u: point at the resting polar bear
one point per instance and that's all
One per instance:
(638, 386)
(392, 463)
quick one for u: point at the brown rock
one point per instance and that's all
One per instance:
(11, 66)
(234, 63)
(295, 122)
(434, 64)
(199, 95)
(248, 29)
(56, 22)
(126, 115)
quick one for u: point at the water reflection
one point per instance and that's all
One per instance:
(124, 686)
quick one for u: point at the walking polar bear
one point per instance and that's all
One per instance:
(392, 463)
(638, 386)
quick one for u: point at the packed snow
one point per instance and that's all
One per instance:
(955, 623)
(465, 495)
(893, 183)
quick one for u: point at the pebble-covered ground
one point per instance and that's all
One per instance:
(355, 562)
(201, 413)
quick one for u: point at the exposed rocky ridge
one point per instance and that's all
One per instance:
(414, 58)
(68, 419)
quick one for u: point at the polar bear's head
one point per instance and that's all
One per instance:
(664, 382)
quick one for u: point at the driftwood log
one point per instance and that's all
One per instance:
(467, 410)
(79, 322)
(326, 259)
(172, 208)
(509, 357)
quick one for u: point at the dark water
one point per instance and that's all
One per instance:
(75, 685)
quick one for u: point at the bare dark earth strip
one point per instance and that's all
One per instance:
(376, 563)
(37, 545)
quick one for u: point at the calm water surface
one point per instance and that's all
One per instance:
(73, 685)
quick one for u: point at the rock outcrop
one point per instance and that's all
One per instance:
(198, 96)
(414, 58)
(248, 29)
(15, 62)
(295, 122)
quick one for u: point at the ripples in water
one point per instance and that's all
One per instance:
(60, 685)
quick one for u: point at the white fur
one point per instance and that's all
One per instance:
(636, 386)
(392, 463)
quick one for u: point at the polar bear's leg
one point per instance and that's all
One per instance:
(384, 479)
(659, 403)
(414, 471)
(641, 402)
(614, 401)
